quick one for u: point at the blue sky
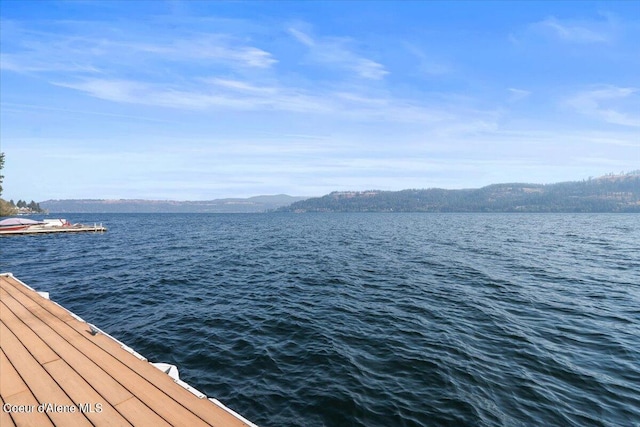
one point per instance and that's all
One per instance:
(195, 100)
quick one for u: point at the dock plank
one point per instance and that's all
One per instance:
(33, 418)
(110, 389)
(131, 390)
(40, 383)
(14, 391)
(35, 304)
(92, 404)
(39, 350)
(5, 418)
(144, 416)
(10, 381)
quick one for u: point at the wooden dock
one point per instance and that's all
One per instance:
(58, 370)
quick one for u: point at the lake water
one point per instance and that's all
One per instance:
(367, 319)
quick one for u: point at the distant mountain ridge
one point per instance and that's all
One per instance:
(610, 193)
(255, 204)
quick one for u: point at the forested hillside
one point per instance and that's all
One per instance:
(610, 193)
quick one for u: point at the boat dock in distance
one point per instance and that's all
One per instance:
(19, 226)
(58, 370)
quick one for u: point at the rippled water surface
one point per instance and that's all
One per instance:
(367, 319)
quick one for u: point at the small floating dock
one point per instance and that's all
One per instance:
(18, 226)
(77, 228)
(58, 370)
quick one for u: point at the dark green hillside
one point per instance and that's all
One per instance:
(611, 193)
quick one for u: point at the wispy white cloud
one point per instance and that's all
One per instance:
(21, 63)
(113, 51)
(218, 94)
(22, 108)
(229, 94)
(518, 94)
(611, 104)
(428, 65)
(216, 47)
(335, 52)
(576, 31)
(111, 90)
(302, 37)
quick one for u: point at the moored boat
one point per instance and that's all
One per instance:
(58, 222)
(13, 224)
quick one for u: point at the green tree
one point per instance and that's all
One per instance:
(5, 207)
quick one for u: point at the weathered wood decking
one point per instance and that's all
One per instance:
(54, 371)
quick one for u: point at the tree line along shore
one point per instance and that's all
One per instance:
(11, 208)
